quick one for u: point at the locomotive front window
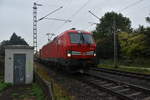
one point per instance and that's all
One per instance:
(81, 38)
(75, 38)
(88, 39)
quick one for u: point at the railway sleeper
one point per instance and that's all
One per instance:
(147, 98)
(102, 83)
(134, 94)
(130, 92)
(123, 90)
(107, 85)
(116, 87)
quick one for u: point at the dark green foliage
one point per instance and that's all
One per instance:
(148, 19)
(140, 29)
(105, 28)
(104, 33)
(14, 40)
(3, 86)
(105, 48)
(37, 92)
(2, 49)
(146, 32)
(131, 43)
(17, 40)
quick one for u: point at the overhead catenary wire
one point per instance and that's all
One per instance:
(126, 7)
(65, 20)
(94, 15)
(50, 13)
(131, 5)
(84, 5)
(75, 14)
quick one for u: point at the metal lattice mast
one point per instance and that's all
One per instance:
(35, 21)
(35, 27)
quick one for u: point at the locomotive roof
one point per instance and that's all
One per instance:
(66, 32)
(78, 31)
(75, 31)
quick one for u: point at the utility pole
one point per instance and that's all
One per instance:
(50, 35)
(35, 26)
(115, 44)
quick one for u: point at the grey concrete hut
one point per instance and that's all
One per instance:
(19, 64)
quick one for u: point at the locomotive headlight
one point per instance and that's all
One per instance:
(94, 53)
(69, 54)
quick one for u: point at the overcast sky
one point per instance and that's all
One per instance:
(16, 16)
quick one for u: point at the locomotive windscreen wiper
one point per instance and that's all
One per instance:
(83, 38)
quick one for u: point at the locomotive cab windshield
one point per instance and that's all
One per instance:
(81, 38)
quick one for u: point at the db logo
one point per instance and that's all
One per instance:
(84, 53)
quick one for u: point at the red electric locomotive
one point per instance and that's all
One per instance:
(72, 50)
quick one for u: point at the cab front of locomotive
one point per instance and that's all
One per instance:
(81, 49)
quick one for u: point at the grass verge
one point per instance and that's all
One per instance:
(37, 92)
(3, 86)
(127, 68)
(58, 92)
(28, 92)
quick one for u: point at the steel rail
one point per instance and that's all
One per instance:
(119, 94)
(123, 73)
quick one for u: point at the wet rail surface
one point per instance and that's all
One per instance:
(124, 73)
(122, 90)
(129, 77)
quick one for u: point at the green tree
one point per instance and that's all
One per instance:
(148, 19)
(134, 45)
(146, 31)
(105, 27)
(104, 33)
(17, 40)
(105, 48)
(14, 40)
(140, 29)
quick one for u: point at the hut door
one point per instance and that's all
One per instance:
(19, 68)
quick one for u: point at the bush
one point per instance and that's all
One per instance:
(37, 91)
(3, 86)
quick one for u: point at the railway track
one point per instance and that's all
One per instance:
(122, 90)
(123, 73)
(93, 86)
